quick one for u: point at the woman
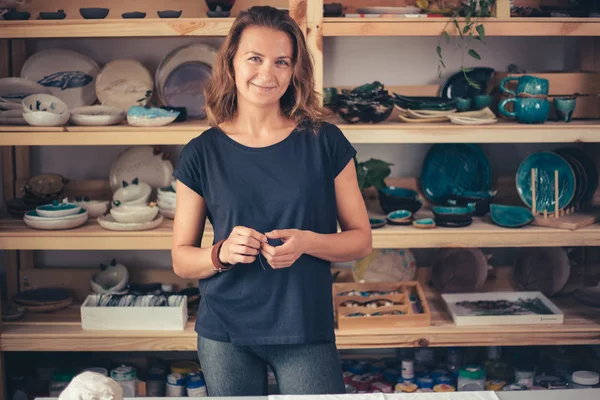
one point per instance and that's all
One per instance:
(273, 180)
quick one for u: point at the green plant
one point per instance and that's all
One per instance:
(372, 173)
(466, 20)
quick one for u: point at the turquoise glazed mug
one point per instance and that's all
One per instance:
(527, 110)
(526, 84)
(463, 104)
(564, 107)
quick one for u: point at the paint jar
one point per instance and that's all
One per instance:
(126, 377)
(195, 385)
(524, 376)
(60, 380)
(184, 367)
(471, 379)
(584, 380)
(175, 385)
(155, 382)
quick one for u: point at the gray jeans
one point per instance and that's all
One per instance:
(242, 370)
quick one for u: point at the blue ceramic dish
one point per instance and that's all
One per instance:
(545, 163)
(454, 210)
(510, 216)
(453, 169)
(376, 222)
(399, 217)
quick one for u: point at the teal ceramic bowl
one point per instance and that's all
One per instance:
(376, 223)
(510, 216)
(57, 210)
(399, 217)
(424, 223)
(453, 210)
(392, 198)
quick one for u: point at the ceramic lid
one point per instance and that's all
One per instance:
(587, 378)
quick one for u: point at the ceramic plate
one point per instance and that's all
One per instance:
(182, 76)
(123, 83)
(68, 75)
(589, 167)
(109, 223)
(12, 117)
(580, 175)
(544, 269)
(97, 115)
(72, 221)
(16, 89)
(388, 10)
(510, 216)
(454, 168)
(385, 265)
(458, 86)
(141, 162)
(546, 163)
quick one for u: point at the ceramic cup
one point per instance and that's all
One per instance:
(564, 107)
(482, 101)
(463, 104)
(526, 84)
(527, 111)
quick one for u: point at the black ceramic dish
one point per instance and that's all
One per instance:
(482, 206)
(457, 85)
(219, 8)
(94, 12)
(60, 14)
(452, 224)
(169, 13)
(134, 15)
(41, 296)
(390, 202)
(14, 15)
(425, 102)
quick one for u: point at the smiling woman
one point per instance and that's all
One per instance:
(274, 180)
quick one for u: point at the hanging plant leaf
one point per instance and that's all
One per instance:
(480, 32)
(466, 29)
(474, 54)
(439, 51)
(446, 37)
(458, 28)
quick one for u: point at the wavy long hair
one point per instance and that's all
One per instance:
(300, 102)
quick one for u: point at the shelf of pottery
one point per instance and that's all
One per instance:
(455, 202)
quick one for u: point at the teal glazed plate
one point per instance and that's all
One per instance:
(545, 163)
(450, 169)
(589, 167)
(510, 216)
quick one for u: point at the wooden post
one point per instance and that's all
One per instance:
(502, 9)
(309, 15)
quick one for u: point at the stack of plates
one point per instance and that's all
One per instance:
(56, 217)
(167, 200)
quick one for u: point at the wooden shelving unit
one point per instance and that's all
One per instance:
(15, 235)
(62, 331)
(389, 132)
(434, 26)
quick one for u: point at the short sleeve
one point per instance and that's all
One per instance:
(189, 167)
(340, 149)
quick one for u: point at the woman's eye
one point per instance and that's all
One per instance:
(255, 58)
(283, 62)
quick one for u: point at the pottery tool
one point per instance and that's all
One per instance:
(533, 199)
(556, 193)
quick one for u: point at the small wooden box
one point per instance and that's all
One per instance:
(132, 318)
(562, 84)
(410, 316)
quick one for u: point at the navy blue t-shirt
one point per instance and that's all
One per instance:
(287, 185)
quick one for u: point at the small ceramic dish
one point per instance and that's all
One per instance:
(510, 216)
(112, 278)
(169, 13)
(14, 15)
(152, 116)
(94, 12)
(376, 222)
(57, 210)
(399, 217)
(95, 208)
(134, 213)
(452, 224)
(43, 118)
(43, 223)
(481, 200)
(134, 15)
(392, 198)
(133, 194)
(45, 110)
(424, 223)
(167, 213)
(12, 312)
(60, 14)
(97, 115)
(109, 223)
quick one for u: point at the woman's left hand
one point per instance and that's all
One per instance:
(295, 243)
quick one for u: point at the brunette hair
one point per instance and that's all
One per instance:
(300, 102)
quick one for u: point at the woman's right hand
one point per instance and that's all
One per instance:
(242, 246)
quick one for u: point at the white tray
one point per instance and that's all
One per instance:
(132, 318)
(462, 316)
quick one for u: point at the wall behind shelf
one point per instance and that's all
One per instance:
(348, 61)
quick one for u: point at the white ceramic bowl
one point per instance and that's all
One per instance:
(109, 223)
(133, 194)
(166, 205)
(167, 213)
(57, 211)
(95, 208)
(134, 214)
(44, 118)
(45, 103)
(167, 198)
(112, 279)
(97, 115)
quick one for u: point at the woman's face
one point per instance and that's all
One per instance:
(263, 66)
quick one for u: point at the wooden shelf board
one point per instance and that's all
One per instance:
(70, 28)
(434, 26)
(388, 132)
(61, 331)
(15, 235)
